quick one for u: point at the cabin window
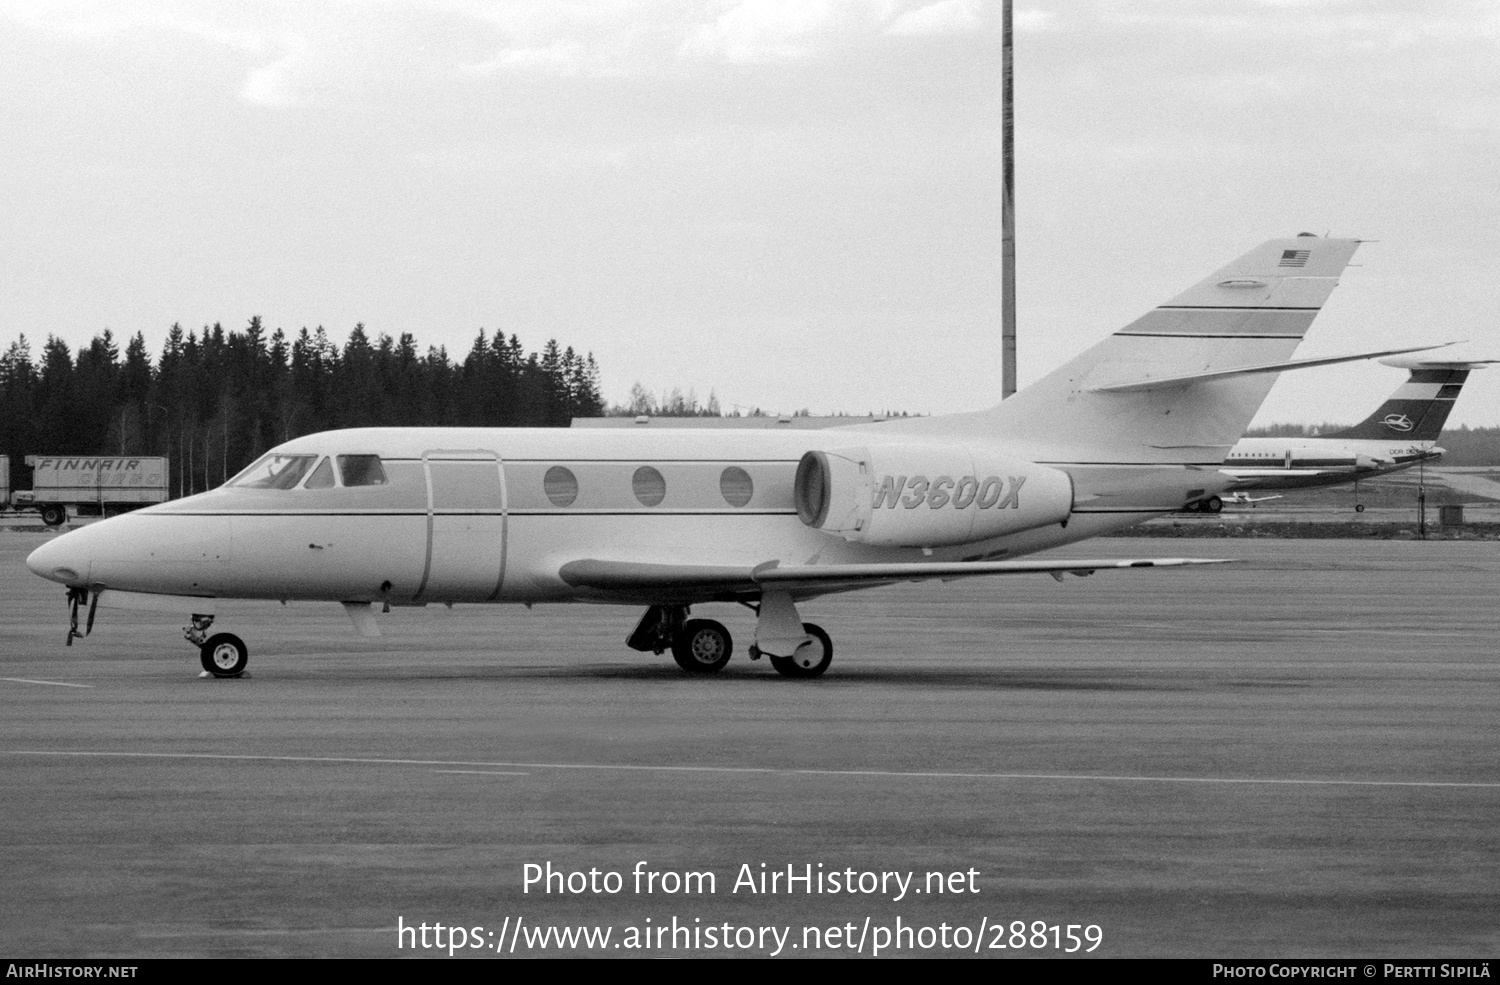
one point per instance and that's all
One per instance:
(322, 477)
(560, 485)
(362, 470)
(275, 471)
(735, 485)
(650, 488)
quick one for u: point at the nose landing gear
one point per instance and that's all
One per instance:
(222, 654)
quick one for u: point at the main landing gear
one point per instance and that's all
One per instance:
(704, 646)
(810, 659)
(1213, 504)
(222, 654)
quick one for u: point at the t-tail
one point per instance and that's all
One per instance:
(1179, 384)
(1417, 410)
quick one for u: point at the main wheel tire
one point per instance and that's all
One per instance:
(811, 658)
(224, 655)
(53, 516)
(1213, 504)
(702, 646)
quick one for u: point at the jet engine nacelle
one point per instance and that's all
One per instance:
(927, 496)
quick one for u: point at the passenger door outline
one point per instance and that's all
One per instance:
(436, 511)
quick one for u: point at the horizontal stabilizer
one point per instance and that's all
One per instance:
(635, 578)
(1417, 362)
(1168, 382)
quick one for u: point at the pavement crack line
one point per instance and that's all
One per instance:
(762, 770)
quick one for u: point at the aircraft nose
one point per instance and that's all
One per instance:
(62, 560)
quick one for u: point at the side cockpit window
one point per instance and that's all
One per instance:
(275, 471)
(362, 470)
(322, 476)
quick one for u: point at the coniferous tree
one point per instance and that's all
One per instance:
(218, 398)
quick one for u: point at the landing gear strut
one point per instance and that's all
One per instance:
(76, 597)
(197, 633)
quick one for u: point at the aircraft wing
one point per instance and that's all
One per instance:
(1248, 475)
(635, 578)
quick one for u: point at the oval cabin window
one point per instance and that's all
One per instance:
(560, 485)
(736, 486)
(650, 488)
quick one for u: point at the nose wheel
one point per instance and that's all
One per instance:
(224, 655)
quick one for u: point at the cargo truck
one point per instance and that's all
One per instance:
(100, 485)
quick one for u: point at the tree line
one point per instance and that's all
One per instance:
(215, 400)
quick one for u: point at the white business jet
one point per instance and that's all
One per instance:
(1136, 426)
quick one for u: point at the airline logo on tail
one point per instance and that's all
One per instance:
(1398, 422)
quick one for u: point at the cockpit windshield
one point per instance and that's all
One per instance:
(275, 471)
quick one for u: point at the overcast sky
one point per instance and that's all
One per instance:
(794, 203)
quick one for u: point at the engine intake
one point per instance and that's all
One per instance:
(925, 496)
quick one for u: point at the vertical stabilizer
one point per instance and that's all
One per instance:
(1252, 312)
(1419, 408)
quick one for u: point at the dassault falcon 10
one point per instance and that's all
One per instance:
(1136, 426)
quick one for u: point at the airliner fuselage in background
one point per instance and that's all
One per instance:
(1136, 426)
(1401, 433)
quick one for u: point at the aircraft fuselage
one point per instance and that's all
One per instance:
(1301, 463)
(491, 515)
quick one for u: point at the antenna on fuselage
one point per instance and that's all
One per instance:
(1007, 215)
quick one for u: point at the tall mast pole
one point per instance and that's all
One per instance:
(1007, 217)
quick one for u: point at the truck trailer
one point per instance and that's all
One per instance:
(100, 485)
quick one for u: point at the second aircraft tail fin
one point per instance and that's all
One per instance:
(1419, 408)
